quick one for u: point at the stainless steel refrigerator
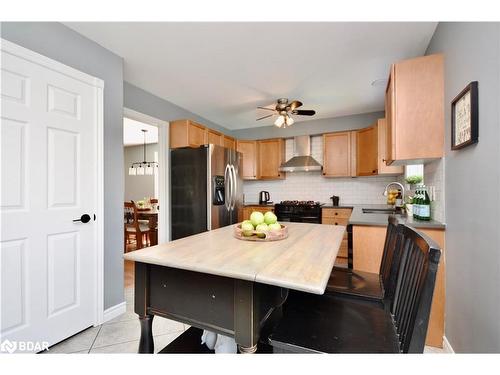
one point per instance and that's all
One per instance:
(206, 190)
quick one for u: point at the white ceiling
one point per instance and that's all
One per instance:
(133, 135)
(222, 71)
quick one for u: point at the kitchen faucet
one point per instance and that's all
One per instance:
(395, 183)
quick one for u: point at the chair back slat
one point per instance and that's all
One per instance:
(131, 214)
(411, 300)
(389, 248)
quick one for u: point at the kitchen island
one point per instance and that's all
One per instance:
(232, 287)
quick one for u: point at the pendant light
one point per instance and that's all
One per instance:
(144, 167)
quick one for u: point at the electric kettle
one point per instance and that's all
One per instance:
(264, 197)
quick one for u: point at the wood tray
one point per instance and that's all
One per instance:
(274, 235)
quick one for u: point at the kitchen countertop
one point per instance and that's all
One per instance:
(303, 261)
(247, 204)
(360, 218)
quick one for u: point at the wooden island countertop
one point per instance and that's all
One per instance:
(303, 261)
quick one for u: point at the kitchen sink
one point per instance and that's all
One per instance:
(378, 210)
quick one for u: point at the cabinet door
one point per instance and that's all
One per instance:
(214, 137)
(383, 168)
(389, 118)
(271, 154)
(248, 150)
(229, 142)
(367, 151)
(337, 154)
(197, 134)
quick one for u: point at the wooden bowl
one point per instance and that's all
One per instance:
(274, 235)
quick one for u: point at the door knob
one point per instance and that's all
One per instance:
(85, 218)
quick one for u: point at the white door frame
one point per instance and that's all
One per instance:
(163, 170)
(98, 85)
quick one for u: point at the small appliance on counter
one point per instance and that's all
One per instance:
(335, 200)
(264, 197)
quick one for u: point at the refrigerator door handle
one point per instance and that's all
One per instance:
(233, 187)
(228, 183)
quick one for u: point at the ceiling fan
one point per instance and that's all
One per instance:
(284, 109)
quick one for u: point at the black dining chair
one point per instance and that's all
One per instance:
(341, 325)
(368, 285)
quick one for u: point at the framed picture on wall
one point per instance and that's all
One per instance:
(465, 117)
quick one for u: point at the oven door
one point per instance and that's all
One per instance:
(310, 219)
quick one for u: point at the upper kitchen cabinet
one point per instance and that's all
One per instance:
(271, 154)
(187, 133)
(229, 142)
(248, 150)
(214, 137)
(339, 155)
(383, 168)
(367, 151)
(414, 110)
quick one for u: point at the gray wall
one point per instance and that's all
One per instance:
(472, 178)
(310, 127)
(60, 43)
(138, 187)
(149, 104)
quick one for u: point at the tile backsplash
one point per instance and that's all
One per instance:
(313, 186)
(434, 176)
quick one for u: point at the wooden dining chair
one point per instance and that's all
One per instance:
(369, 285)
(341, 325)
(133, 227)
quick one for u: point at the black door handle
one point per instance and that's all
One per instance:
(85, 218)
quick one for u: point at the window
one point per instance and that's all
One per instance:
(415, 170)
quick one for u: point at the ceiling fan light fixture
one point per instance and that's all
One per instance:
(289, 120)
(280, 121)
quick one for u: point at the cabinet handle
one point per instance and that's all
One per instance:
(336, 213)
(384, 160)
(336, 223)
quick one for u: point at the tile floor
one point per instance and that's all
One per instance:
(119, 335)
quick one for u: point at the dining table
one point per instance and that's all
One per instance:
(217, 282)
(151, 215)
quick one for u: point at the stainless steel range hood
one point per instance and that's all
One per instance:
(302, 161)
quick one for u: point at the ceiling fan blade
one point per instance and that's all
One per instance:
(261, 118)
(269, 109)
(293, 105)
(304, 112)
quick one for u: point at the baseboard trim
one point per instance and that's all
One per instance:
(114, 311)
(447, 348)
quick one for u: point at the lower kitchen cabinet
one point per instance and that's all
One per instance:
(247, 211)
(368, 247)
(338, 216)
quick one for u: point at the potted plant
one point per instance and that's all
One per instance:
(411, 181)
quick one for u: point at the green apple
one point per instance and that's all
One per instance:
(247, 228)
(256, 218)
(247, 222)
(274, 227)
(270, 218)
(262, 228)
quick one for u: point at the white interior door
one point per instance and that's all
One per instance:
(49, 122)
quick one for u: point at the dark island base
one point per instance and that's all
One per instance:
(190, 343)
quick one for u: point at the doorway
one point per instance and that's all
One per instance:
(145, 195)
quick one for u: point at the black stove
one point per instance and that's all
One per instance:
(298, 211)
